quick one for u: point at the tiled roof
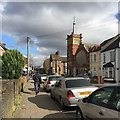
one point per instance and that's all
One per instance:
(88, 46)
(113, 45)
(57, 57)
(108, 40)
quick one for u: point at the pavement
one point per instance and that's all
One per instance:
(37, 106)
(41, 105)
(104, 84)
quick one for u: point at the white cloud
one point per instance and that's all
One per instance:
(52, 22)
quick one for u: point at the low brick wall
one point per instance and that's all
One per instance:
(11, 90)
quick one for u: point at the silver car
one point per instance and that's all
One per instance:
(68, 90)
(102, 103)
(51, 80)
(43, 77)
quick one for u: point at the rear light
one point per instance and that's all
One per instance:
(48, 82)
(70, 94)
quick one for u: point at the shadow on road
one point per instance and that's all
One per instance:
(33, 89)
(27, 92)
(44, 101)
(61, 116)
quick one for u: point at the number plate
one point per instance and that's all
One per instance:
(85, 93)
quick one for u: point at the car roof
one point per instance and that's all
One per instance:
(74, 78)
(43, 74)
(54, 75)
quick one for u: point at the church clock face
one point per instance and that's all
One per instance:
(81, 58)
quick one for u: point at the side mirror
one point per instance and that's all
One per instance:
(85, 100)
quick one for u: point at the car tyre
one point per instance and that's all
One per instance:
(51, 95)
(62, 103)
(79, 114)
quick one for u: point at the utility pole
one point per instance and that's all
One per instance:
(28, 58)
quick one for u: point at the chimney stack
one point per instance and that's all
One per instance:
(57, 53)
(4, 45)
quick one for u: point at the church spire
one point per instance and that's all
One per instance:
(73, 24)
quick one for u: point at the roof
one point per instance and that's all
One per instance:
(113, 45)
(88, 46)
(109, 64)
(3, 47)
(108, 40)
(95, 49)
(74, 78)
(56, 57)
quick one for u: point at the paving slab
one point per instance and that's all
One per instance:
(37, 106)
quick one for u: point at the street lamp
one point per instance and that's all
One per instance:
(28, 58)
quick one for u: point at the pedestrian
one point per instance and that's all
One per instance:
(37, 82)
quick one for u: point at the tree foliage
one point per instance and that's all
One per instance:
(12, 64)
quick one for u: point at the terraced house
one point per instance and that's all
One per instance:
(95, 61)
(56, 64)
(104, 60)
(110, 59)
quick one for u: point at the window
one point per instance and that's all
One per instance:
(51, 64)
(91, 58)
(101, 96)
(77, 83)
(106, 72)
(110, 73)
(104, 59)
(112, 56)
(94, 71)
(65, 64)
(116, 101)
(94, 57)
(55, 66)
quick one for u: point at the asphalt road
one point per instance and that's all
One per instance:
(41, 106)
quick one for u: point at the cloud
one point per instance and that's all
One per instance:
(50, 23)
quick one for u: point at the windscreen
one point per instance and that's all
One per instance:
(54, 78)
(77, 83)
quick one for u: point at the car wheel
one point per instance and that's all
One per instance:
(79, 114)
(62, 103)
(51, 95)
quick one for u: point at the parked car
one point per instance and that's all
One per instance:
(43, 77)
(68, 90)
(51, 80)
(85, 75)
(102, 103)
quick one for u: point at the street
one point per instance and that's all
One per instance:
(40, 106)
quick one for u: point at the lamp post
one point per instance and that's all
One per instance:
(28, 58)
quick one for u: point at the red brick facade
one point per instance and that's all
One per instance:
(77, 55)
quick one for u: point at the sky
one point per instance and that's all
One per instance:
(47, 24)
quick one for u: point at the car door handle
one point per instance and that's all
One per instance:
(101, 113)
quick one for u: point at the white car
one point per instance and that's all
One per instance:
(51, 80)
(68, 90)
(43, 77)
(104, 103)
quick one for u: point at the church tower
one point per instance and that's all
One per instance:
(73, 41)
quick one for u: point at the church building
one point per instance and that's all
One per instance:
(77, 54)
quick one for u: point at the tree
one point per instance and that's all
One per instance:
(12, 64)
